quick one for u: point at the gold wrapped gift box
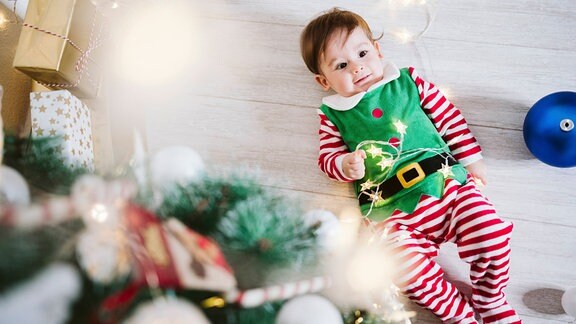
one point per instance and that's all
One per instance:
(59, 44)
(15, 102)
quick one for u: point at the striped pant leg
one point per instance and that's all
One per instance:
(419, 277)
(483, 241)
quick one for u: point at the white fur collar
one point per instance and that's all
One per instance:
(338, 102)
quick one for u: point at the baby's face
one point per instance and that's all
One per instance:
(350, 65)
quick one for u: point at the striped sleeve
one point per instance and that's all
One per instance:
(448, 121)
(332, 149)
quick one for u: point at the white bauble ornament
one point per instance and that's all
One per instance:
(309, 309)
(13, 187)
(167, 310)
(569, 301)
(103, 254)
(328, 227)
(46, 298)
(175, 165)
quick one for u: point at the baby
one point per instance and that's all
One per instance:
(413, 162)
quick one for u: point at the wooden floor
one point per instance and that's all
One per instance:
(249, 101)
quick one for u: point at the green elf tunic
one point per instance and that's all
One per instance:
(390, 125)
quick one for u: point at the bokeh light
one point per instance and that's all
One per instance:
(156, 42)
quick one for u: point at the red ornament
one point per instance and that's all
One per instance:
(377, 113)
(394, 141)
(166, 255)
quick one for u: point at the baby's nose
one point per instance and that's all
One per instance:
(358, 68)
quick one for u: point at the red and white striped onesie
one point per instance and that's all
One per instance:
(462, 216)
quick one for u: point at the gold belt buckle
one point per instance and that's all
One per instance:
(410, 167)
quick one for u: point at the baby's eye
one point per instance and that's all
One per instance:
(341, 66)
(363, 53)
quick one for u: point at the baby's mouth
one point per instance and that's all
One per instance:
(362, 79)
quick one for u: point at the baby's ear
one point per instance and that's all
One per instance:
(377, 47)
(322, 81)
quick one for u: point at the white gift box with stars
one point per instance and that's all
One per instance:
(59, 113)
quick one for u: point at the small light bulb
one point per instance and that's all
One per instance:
(404, 36)
(105, 4)
(3, 20)
(99, 213)
(446, 91)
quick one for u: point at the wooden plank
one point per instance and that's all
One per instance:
(494, 85)
(503, 22)
(281, 141)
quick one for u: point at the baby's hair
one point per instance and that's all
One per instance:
(318, 31)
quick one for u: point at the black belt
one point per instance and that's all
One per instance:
(407, 177)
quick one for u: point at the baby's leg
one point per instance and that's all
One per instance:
(483, 240)
(422, 280)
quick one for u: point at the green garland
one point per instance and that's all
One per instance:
(202, 204)
(263, 235)
(40, 163)
(362, 316)
(259, 233)
(27, 251)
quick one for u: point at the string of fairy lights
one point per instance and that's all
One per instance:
(391, 156)
(401, 32)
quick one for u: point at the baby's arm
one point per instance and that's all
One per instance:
(334, 159)
(451, 125)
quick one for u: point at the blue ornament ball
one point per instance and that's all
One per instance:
(549, 129)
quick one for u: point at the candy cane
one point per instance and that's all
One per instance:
(52, 211)
(258, 296)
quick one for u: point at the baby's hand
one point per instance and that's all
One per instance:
(353, 165)
(478, 171)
